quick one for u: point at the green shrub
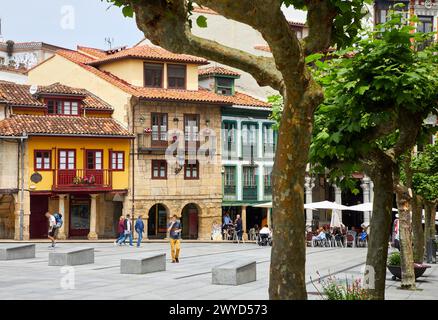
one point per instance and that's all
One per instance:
(394, 259)
(333, 289)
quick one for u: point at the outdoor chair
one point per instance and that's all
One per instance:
(350, 240)
(309, 237)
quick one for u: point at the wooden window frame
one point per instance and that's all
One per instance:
(159, 142)
(55, 100)
(144, 74)
(94, 160)
(42, 161)
(67, 151)
(197, 166)
(160, 165)
(169, 65)
(117, 153)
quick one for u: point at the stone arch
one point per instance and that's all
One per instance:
(158, 216)
(190, 215)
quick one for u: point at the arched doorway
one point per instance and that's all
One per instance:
(157, 222)
(189, 220)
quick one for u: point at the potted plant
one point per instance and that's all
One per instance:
(394, 261)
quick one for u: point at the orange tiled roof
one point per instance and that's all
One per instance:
(12, 69)
(206, 10)
(62, 126)
(201, 95)
(263, 48)
(97, 53)
(211, 71)
(149, 52)
(19, 95)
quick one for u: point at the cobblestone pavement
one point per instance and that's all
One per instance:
(191, 279)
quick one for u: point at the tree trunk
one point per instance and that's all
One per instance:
(417, 229)
(429, 224)
(288, 259)
(406, 251)
(381, 230)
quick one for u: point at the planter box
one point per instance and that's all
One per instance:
(396, 271)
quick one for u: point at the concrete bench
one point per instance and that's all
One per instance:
(235, 273)
(17, 251)
(143, 265)
(71, 257)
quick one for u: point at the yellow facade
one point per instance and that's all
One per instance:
(119, 178)
(131, 70)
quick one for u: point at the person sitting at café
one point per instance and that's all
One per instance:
(321, 235)
(216, 232)
(227, 221)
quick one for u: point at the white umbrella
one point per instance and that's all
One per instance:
(325, 205)
(367, 206)
(335, 221)
(264, 205)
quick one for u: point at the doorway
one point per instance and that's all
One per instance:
(157, 222)
(189, 222)
(39, 205)
(80, 216)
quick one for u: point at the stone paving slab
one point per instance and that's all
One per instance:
(191, 279)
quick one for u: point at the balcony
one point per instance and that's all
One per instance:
(230, 193)
(82, 180)
(147, 145)
(250, 193)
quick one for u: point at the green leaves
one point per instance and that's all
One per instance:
(201, 21)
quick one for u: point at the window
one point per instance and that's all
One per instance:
(225, 86)
(159, 128)
(176, 76)
(230, 176)
(249, 177)
(229, 139)
(269, 140)
(191, 128)
(61, 107)
(43, 160)
(67, 159)
(153, 75)
(268, 177)
(159, 169)
(117, 160)
(249, 140)
(94, 160)
(191, 170)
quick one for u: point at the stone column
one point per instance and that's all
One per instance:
(338, 200)
(93, 218)
(269, 217)
(366, 198)
(26, 218)
(261, 183)
(244, 220)
(62, 235)
(309, 185)
(145, 221)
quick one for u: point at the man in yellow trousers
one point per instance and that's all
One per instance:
(174, 229)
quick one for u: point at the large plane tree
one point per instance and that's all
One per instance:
(167, 23)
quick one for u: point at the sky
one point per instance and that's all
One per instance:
(68, 23)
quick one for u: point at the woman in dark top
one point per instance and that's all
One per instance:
(239, 227)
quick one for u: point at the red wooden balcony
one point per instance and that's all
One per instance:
(82, 180)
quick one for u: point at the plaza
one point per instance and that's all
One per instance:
(33, 279)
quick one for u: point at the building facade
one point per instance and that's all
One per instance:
(61, 152)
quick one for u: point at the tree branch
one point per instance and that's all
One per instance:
(165, 24)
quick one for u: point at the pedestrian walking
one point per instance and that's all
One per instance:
(52, 229)
(139, 228)
(174, 229)
(239, 227)
(127, 231)
(120, 230)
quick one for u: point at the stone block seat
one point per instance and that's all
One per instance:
(71, 257)
(235, 273)
(144, 264)
(17, 251)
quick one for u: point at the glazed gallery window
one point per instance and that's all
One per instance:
(268, 177)
(176, 76)
(62, 107)
(43, 160)
(249, 177)
(159, 128)
(225, 86)
(230, 177)
(159, 169)
(191, 127)
(249, 140)
(153, 75)
(117, 160)
(269, 140)
(191, 170)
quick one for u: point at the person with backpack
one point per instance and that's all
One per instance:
(139, 228)
(55, 222)
(127, 232)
